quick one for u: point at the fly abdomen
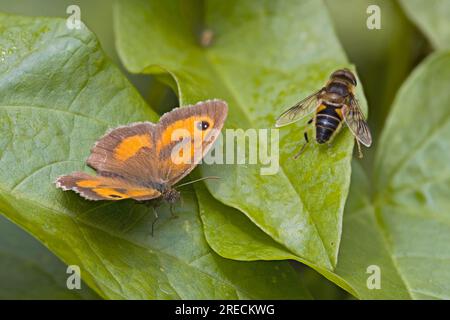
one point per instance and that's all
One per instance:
(327, 121)
(323, 134)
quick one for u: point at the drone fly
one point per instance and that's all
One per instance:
(331, 105)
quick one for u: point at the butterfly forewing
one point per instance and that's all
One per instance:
(185, 135)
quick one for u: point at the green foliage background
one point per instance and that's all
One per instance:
(310, 231)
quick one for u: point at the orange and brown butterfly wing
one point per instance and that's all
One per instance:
(192, 128)
(127, 152)
(104, 188)
(134, 161)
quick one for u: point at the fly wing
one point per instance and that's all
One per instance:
(299, 110)
(356, 122)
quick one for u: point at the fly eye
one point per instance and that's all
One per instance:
(202, 125)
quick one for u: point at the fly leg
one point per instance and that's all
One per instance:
(360, 154)
(305, 134)
(298, 154)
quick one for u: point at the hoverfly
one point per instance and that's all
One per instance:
(332, 104)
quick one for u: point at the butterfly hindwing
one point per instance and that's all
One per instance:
(104, 188)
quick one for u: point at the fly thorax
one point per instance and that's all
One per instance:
(334, 99)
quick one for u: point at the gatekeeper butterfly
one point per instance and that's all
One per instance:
(136, 161)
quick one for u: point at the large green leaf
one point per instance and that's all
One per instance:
(59, 94)
(361, 244)
(29, 271)
(432, 17)
(264, 56)
(413, 180)
(400, 223)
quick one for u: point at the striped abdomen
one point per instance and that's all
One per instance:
(328, 120)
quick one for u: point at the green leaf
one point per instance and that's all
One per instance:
(59, 94)
(264, 57)
(412, 203)
(361, 244)
(234, 236)
(29, 271)
(364, 245)
(432, 17)
(399, 223)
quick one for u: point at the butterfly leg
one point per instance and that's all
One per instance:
(153, 204)
(172, 213)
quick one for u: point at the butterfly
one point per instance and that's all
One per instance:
(144, 160)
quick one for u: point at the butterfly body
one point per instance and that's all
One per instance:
(171, 195)
(143, 160)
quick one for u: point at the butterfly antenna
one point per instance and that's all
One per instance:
(197, 180)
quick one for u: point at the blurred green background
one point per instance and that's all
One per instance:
(383, 59)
